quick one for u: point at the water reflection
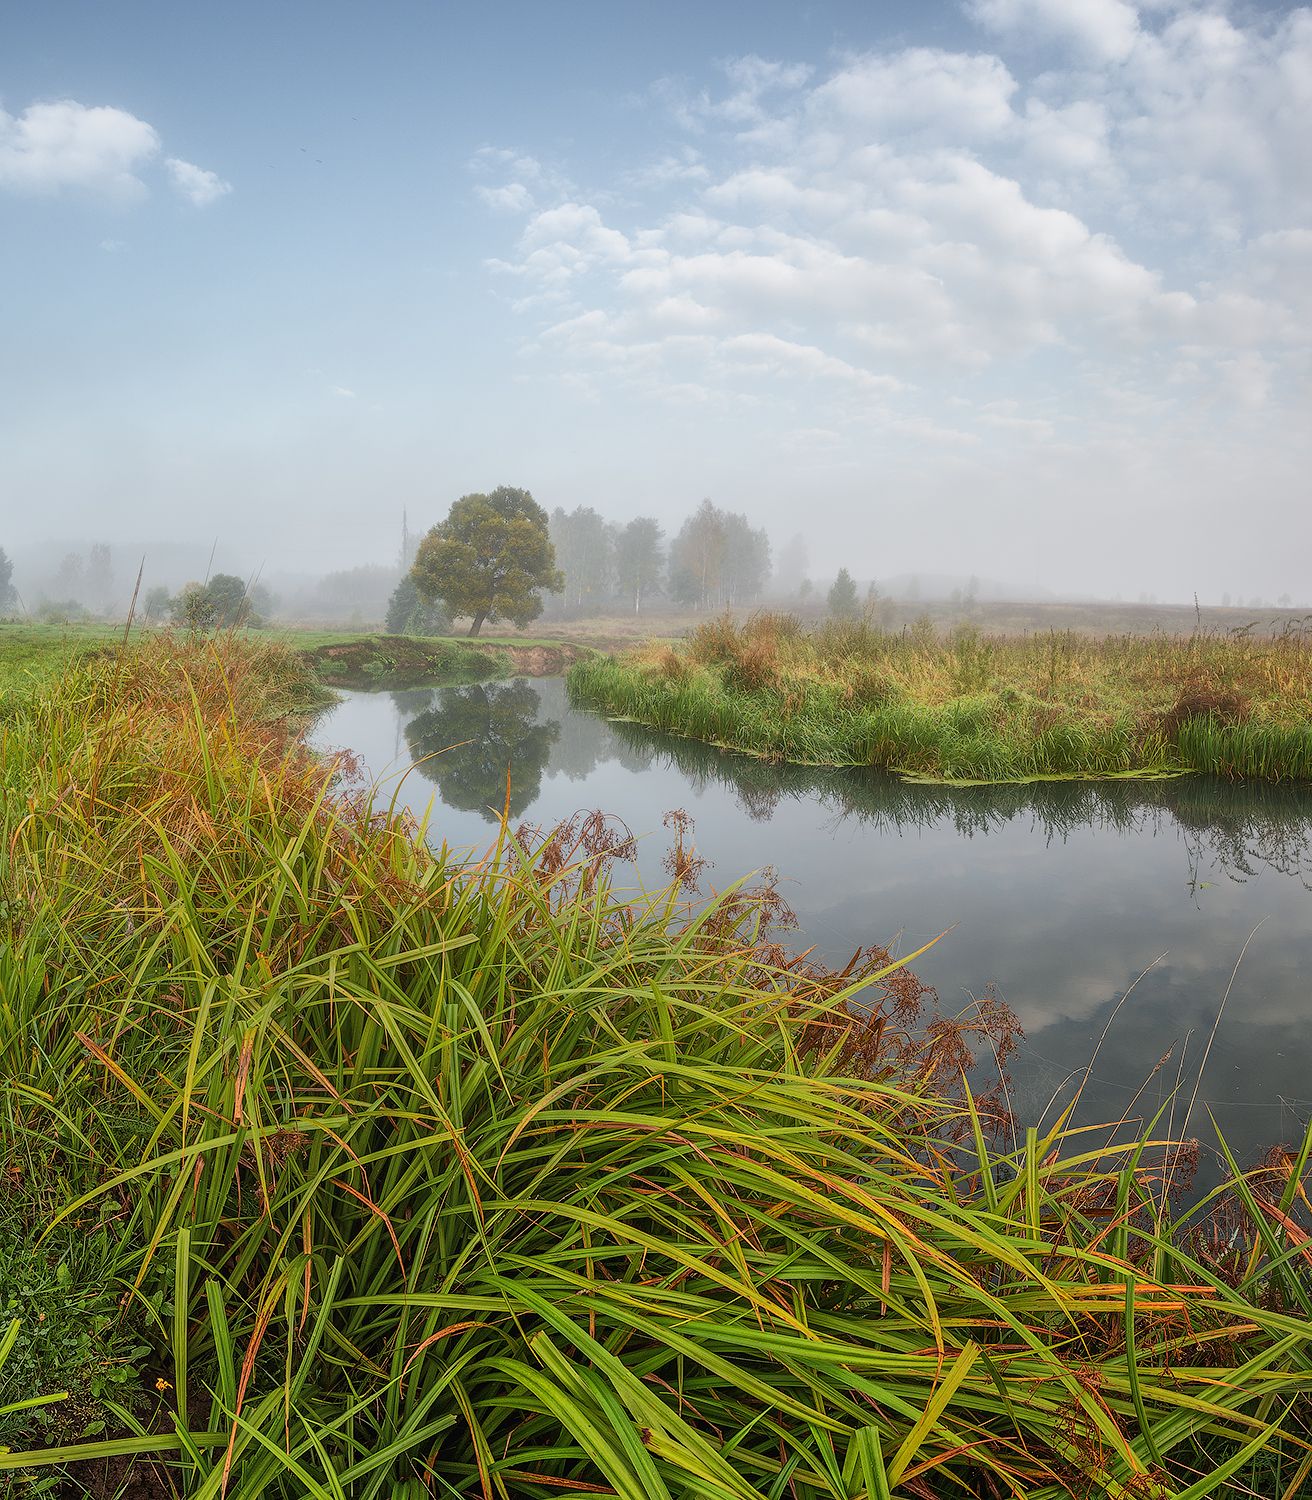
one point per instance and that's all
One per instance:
(1061, 894)
(1235, 828)
(468, 739)
(1230, 829)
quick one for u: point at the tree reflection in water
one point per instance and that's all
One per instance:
(472, 735)
(1235, 827)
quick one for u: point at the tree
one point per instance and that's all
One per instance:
(489, 559)
(639, 560)
(220, 604)
(697, 557)
(408, 614)
(746, 568)
(263, 602)
(99, 576)
(68, 581)
(842, 597)
(585, 553)
(230, 602)
(193, 607)
(157, 603)
(354, 594)
(793, 563)
(8, 593)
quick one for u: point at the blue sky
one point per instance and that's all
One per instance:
(1012, 287)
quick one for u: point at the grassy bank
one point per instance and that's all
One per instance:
(393, 661)
(30, 654)
(972, 708)
(345, 1174)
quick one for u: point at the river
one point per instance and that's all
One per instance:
(1061, 896)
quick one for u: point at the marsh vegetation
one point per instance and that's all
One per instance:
(970, 707)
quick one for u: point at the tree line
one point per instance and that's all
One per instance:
(497, 555)
(716, 559)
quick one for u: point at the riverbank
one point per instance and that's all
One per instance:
(394, 661)
(331, 1170)
(971, 708)
(31, 654)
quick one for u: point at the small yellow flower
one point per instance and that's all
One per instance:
(162, 1385)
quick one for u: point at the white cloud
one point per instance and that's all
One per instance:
(921, 228)
(668, 169)
(64, 144)
(513, 198)
(341, 390)
(1105, 30)
(946, 96)
(526, 179)
(195, 184)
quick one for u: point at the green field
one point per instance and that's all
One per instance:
(331, 1170)
(30, 654)
(970, 707)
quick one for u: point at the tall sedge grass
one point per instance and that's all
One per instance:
(488, 1183)
(968, 708)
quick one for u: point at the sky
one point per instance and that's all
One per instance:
(1019, 288)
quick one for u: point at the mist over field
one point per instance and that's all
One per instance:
(1013, 290)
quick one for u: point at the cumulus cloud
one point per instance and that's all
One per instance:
(1105, 30)
(919, 226)
(195, 184)
(62, 145)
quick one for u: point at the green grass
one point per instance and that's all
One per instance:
(31, 654)
(969, 708)
(489, 1183)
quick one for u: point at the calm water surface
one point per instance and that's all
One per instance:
(1062, 895)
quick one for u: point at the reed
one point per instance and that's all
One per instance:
(967, 708)
(428, 1180)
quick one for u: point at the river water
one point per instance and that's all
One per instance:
(1061, 896)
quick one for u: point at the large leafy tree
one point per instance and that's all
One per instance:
(639, 560)
(490, 559)
(7, 591)
(231, 603)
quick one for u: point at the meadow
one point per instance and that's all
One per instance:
(332, 1169)
(969, 707)
(30, 653)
